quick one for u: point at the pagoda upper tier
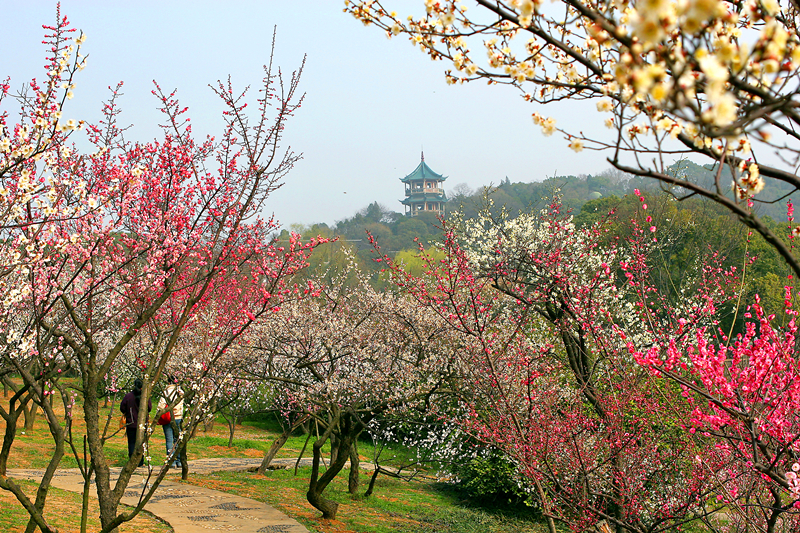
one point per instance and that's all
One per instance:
(424, 191)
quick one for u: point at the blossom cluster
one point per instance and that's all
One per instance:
(135, 259)
(537, 305)
(711, 77)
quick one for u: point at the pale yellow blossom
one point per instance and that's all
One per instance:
(549, 126)
(723, 110)
(605, 105)
(576, 145)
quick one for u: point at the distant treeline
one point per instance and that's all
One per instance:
(691, 228)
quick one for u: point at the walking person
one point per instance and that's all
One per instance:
(130, 408)
(171, 402)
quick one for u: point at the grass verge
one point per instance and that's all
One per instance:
(396, 506)
(63, 511)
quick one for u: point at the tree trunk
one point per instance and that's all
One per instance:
(24, 395)
(551, 524)
(372, 480)
(300, 456)
(58, 433)
(231, 429)
(10, 419)
(355, 470)
(208, 423)
(318, 484)
(273, 450)
(30, 416)
(184, 461)
(350, 427)
(335, 440)
(105, 494)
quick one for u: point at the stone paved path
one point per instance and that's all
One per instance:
(190, 509)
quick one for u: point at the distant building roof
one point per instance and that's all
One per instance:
(422, 172)
(423, 197)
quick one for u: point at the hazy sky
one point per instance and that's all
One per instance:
(371, 103)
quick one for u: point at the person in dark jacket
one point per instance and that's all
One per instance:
(130, 408)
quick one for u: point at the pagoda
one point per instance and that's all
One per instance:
(424, 191)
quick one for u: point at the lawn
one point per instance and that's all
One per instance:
(396, 506)
(419, 506)
(32, 449)
(63, 511)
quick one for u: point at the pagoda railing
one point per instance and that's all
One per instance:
(415, 190)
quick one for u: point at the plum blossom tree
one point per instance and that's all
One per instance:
(207, 360)
(743, 393)
(539, 310)
(32, 192)
(34, 196)
(714, 79)
(345, 358)
(739, 389)
(115, 253)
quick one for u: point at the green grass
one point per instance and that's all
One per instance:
(239, 445)
(396, 506)
(391, 455)
(33, 448)
(13, 516)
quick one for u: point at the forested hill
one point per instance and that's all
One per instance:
(587, 196)
(577, 190)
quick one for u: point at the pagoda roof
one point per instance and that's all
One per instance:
(422, 197)
(423, 171)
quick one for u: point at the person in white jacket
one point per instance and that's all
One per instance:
(172, 401)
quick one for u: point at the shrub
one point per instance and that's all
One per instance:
(492, 478)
